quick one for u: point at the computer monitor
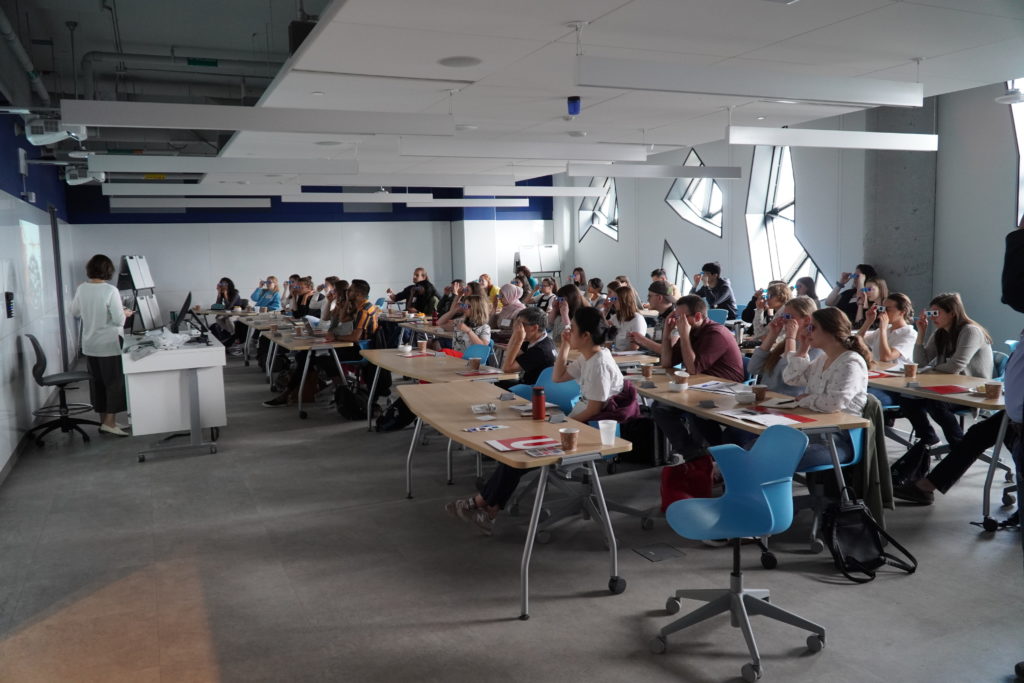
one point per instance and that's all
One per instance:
(180, 320)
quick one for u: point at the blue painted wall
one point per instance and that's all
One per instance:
(43, 180)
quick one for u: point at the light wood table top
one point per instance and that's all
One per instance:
(689, 400)
(243, 313)
(435, 368)
(304, 343)
(446, 408)
(898, 384)
(648, 313)
(426, 328)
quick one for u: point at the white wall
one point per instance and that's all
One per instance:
(192, 257)
(26, 268)
(976, 203)
(489, 246)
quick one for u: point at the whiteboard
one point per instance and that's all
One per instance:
(550, 259)
(529, 256)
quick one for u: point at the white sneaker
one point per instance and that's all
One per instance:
(113, 431)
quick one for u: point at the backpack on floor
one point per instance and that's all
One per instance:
(857, 542)
(640, 431)
(396, 416)
(690, 479)
(350, 401)
(913, 465)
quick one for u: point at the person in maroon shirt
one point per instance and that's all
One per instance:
(703, 347)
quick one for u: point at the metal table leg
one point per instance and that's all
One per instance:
(369, 400)
(245, 347)
(195, 422)
(993, 465)
(616, 584)
(531, 534)
(408, 458)
(271, 355)
(302, 383)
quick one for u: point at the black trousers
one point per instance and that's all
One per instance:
(918, 410)
(323, 361)
(980, 437)
(498, 489)
(687, 435)
(107, 390)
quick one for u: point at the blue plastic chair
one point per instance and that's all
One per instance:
(999, 361)
(563, 394)
(719, 315)
(739, 309)
(758, 500)
(381, 302)
(1012, 343)
(481, 351)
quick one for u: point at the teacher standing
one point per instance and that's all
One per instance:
(98, 304)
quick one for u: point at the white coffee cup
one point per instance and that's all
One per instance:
(405, 348)
(607, 428)
(745, 397)
(678, 388)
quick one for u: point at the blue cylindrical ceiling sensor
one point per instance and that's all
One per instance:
(574, 105)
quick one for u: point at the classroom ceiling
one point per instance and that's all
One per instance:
(385, 55)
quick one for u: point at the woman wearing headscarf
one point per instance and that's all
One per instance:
(510, 296)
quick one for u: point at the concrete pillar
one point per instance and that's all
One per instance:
(899, 229)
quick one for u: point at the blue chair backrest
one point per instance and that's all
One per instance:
(481, 351)
(719, 315)
(380, 303)
(758, 484)
(739, 309)
(1012, 343)
(563, 394)
(858, 437)
(999, 361)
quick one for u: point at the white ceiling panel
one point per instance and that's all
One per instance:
(967, 69)
(358, 93)
(408, 53)
(999, 8)
(534, 19)
(726, 28)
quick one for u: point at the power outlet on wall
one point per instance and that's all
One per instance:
(9, 303)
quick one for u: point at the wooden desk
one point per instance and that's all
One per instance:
(243, 313)
(898, 385)
(312, 345)
(260, 323)
(437, 368)
(446, 408)
(428, 329)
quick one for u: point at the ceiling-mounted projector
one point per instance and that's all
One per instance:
(41, 131)
(1012, 96)
(79, 175)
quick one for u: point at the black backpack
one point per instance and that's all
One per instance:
(857, 542)
(913, 465)
(350, 401)
(396, 416)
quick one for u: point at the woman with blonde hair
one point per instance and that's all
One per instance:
(489, 290)
(267, 295)
(765, 306)
(769, 360)
(467, 320)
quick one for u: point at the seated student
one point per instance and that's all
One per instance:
(511, 305)
(846, 299)
(765, 307)
(593, 296)
(222, 328)
(806, 286)
(288, 295)
(339, 321)
(524, 286)
(563, 309)
(544, 296)
(958, 346)
(531, 281)
(419, 296)
(770, 360)
(626, 320)
(530, 349)
(703, 347)
(836, 381)
(489, 290)
(658, 299)
(579, 278)
(893, 341)
(469, 323)
(872, 294)
(267, 295)
(451, 292)
(747, 315)
(715, 289)
(474, 287)
(599, 379)
(364, 326)
(305, 301)
(227, 294)
(659, 274)
(326, 290)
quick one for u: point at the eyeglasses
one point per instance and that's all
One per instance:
(812, 327)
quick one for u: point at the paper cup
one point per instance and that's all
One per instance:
(421, 345)
(680, 377)
(910, 370)
(569, 437)
(607, 428)
(760, 390)
(993, 390)
(474, 363)
(677, 387)
(647, 371)
(745, 397)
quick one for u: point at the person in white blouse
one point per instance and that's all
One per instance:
(893, 341)
(836, 381)
(596, 371)
(98, 304)
(767, 305)
(626, 319)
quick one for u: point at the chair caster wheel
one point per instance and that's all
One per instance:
(543, 537)
(303, 414)
(817, 546)
(751, 672)
(672, 606)
(989, 524)
(1008, 500)
(616, 585)
(769, 561)
(646, 523)
(815, 643)
(658, 645)
(142, 458)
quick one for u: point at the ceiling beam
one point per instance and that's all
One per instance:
(468, 203)
(531, 191)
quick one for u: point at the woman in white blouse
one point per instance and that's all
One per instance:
(596, 371)
(767, 305)
(626, 319)
(893, 341)
(836, 381)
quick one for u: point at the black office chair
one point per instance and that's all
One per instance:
(64, 411)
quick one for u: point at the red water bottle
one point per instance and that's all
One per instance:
(539, 403)
(433, 319)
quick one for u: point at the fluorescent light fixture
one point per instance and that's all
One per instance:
(189, 203)
(841, 139)
(399, 180)
(260, 119)
(635, 74)
(508, 149)
(357, 197)
(652, 171)
(195, 190)
(531, 191)
(142, 163)
(468, 203)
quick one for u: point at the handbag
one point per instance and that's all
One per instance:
(912, 465)
(857, 542)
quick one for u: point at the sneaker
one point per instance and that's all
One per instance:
(466, 510)
(113, 431)
(277, 401)
(460, 508)
(912, 494)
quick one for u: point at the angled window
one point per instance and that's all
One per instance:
(1017, 112)
(697, 200)
(673, 268)
(600, 213)
(775, 251)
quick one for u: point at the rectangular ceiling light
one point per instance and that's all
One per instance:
(189, 202)
(404, 180)
(506, 149)
(469, 203)
(635, 74)
(357, 197)
(145, 163)
(841, 139)
(260, 119)
(531, 191)
(196, 190)
(652, 171)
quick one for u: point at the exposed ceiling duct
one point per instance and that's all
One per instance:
(7, 31)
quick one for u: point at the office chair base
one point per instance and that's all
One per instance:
(64, 424)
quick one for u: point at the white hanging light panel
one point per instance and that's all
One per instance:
(837, 139)
(530, 191)
(146, 163)
(356, 197)
(652, 171)
(189, 202)
(469, 203)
